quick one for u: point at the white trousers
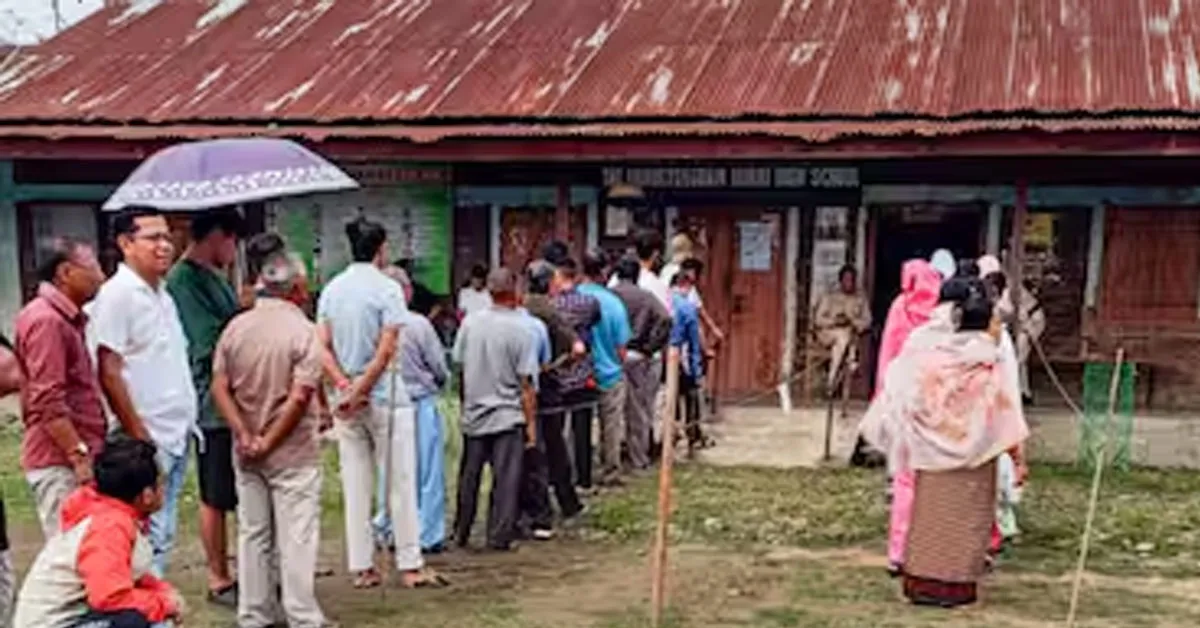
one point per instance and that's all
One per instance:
(363, 447)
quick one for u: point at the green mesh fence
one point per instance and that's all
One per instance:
(1097, 378)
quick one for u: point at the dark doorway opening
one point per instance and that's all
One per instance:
(916, 231)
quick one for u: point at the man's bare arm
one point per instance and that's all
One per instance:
(711, 326)
(117, 394)
(329, 364)
(223, 399)
(379, 363)
(529, 407)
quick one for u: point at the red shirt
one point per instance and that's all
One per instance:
(60, 379)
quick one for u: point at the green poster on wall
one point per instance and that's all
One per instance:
(297, 224)
(418, 223)
(416, 211)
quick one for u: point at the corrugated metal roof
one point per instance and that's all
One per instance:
(851, 65)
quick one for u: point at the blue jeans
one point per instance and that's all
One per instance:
(431, 480)
(164, 523)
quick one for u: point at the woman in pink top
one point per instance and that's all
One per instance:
(919, 287)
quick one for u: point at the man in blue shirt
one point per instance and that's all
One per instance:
(685, 335)
(609, 338)
(359, 316)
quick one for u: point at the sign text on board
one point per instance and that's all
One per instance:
(764, 177)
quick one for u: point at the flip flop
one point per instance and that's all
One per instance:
(226, 596)
(367, 579)
(427, 580)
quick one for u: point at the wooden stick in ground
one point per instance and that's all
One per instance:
(658, 564)
(1100, 460)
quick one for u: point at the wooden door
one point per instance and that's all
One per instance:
(743, 292)
(1151, 266)
(525, 230)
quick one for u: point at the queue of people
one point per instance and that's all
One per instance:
(948, 417)
(120, 376)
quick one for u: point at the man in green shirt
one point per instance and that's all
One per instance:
(206, 301)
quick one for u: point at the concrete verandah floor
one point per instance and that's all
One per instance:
(766, 437)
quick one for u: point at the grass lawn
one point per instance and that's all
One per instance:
(758, 548)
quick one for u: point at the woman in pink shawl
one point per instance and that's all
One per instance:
(946, 413)
(919, 286)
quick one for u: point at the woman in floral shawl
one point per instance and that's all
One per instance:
(945, 413)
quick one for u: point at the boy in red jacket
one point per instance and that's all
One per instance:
(96, 572)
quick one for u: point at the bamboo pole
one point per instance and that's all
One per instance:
(1016, 270)
(658, 564)
(1101, 457)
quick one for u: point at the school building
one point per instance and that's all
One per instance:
(793, 137)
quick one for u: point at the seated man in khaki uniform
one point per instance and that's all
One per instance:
(842, 315)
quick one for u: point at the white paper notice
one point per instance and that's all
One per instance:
(754, 246)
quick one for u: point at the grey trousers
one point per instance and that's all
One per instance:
(505, 452)
(641, 377)
(278, 511)
(612, 428)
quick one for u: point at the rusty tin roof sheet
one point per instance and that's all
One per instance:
(840, 66)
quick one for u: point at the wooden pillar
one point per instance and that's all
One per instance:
(562, 212)
(860, 250)
(994, 220)
(494, 236)
(1095, 258)
(791, 300)
(1017, 254)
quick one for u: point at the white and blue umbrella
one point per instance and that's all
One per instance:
(196, 176)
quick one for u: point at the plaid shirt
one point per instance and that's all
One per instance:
(582, 313)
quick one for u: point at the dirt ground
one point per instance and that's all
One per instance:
(770, 548)
(757, 547)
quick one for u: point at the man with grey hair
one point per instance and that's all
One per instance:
(499, 360)
(266, 372)
(423, 368)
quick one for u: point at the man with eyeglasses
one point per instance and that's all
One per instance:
(142, 355)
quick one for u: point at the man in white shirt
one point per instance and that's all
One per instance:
(649, 247)
(474, 296)
(141, 351)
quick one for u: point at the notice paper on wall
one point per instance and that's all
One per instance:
(754, 245)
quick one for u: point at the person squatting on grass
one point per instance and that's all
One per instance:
(98, 571)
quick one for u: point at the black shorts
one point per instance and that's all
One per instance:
(214, 463)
